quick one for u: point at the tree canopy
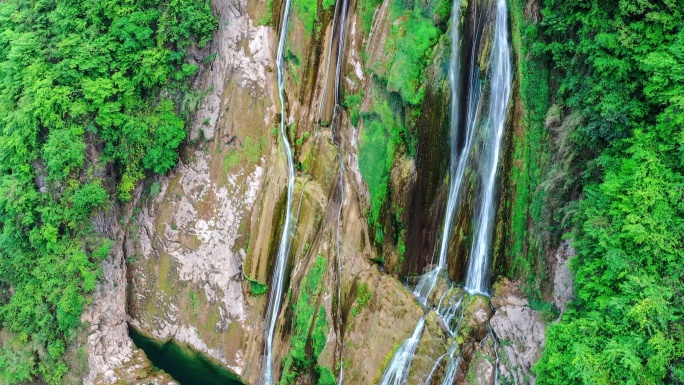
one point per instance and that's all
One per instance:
(89, 103)
(621, 65)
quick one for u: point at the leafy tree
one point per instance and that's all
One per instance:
(622, 67)
(84, 87)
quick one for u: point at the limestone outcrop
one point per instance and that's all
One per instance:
(520, 331)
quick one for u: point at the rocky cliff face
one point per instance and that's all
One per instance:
(195, 255)
(112, 357)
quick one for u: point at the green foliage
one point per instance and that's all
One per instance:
(267, 16)
(307, 12)
(352, 102)
(231, 160)
(292, 58)
(17, 360)
(326, 376)
(620, 65)
(64, 151)
(169, 132)
(548, 310)
(71, 74)
(413, 37)
(307, 312)
(628, 273)
(327, 4)
(616, 43)
(256, 288)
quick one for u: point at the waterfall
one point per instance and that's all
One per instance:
(493, 127)
(457, 167)
(482, 144)
(459, 155)
(341, 25)
(276, 292)
(397, 371)
(501, 76)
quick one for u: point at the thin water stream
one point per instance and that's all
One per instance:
(276, 292)
(339, 30)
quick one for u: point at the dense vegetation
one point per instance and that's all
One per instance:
(90, 102)
(620, 66)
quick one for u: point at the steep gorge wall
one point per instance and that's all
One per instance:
(213, 223)
(199, 248)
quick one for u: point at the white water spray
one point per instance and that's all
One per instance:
(501, 75)
(397, 371)
(488, 156)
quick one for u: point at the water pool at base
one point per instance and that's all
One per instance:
(185, 365)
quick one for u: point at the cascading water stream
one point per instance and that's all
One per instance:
(500, 80)
(490, 132)
(501, 75)
(275, 296)
(397, 372)
(341, 25)
(398, 368)
(459, 156)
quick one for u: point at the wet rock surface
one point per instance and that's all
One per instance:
(520, 331)
(112, 357)
(562, 277)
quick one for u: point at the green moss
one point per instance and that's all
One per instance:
(254, 148)
(531, 153)
(382, 132)
(414, 37)
(363, 297)
(164, 267)
(320, 333)
(307, 12)
(306, 313)
(353, 103)
(328, 3)
(397, 90)
(231, 160)
(251, 150)
(267, 17)
(386, 361)
(325, 376)
(257, 288)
